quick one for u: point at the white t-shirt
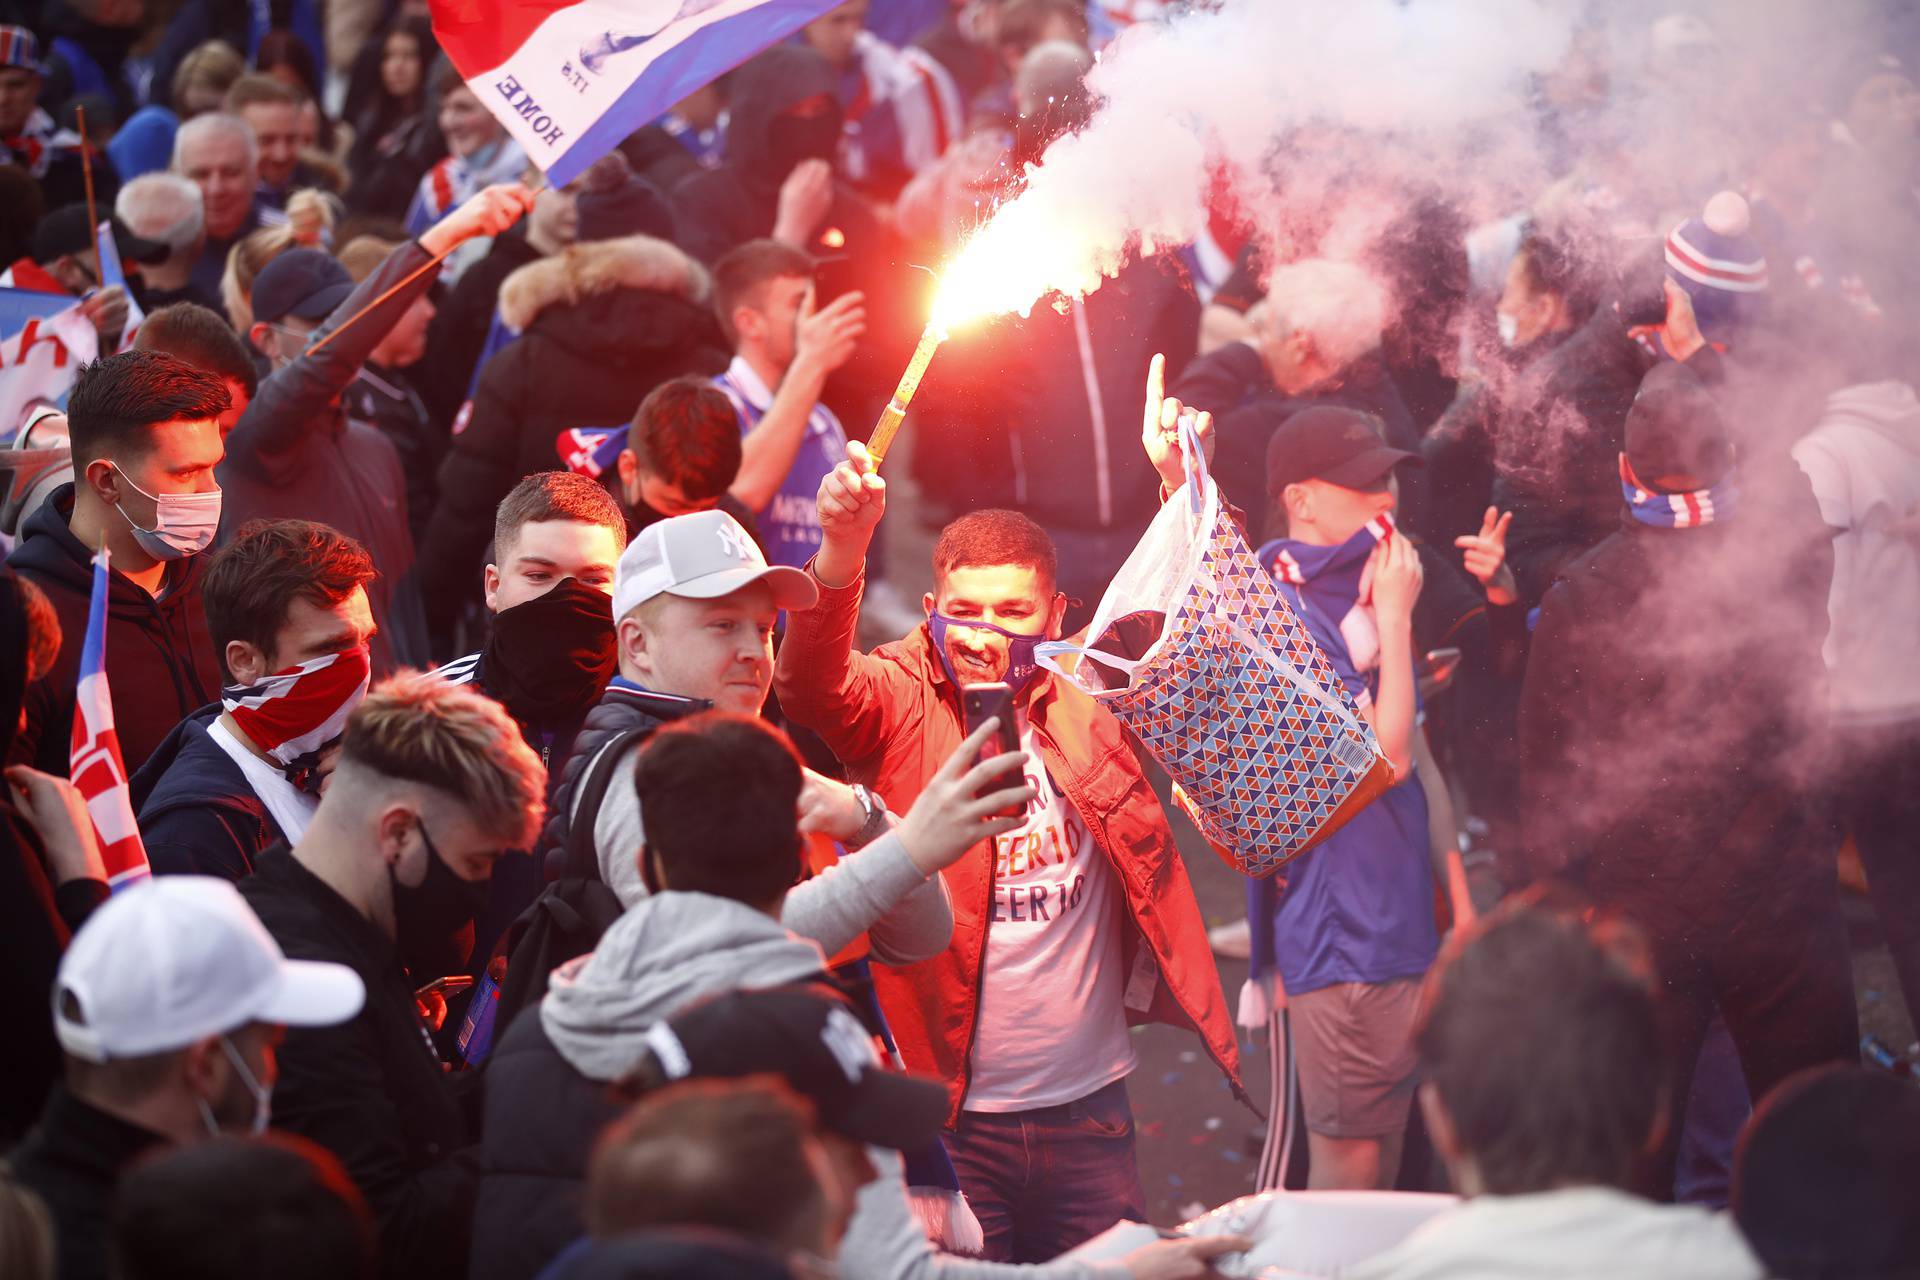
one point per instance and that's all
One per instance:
(1052, 1027)
(291, 807)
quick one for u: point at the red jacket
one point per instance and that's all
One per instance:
(894, 717)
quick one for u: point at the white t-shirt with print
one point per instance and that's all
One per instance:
(1052, 1026)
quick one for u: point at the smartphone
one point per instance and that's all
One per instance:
(451, 985)
(1439, 667)
(832, 277)
(980, 703)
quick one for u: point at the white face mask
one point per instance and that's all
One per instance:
(183, 523)
(262, 1095)
(1509, 327)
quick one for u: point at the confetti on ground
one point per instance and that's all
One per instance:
(1214, 1122)
(1188, 1055)
(1193, 1209)
(1172, 1077)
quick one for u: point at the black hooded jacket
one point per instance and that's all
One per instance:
(739, 200)
(159, 656)
(1670, 729)
(198, 814)
(1557, 453)
(601, 325)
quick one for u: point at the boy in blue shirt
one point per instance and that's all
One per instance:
(784, 351)
(1344, 934)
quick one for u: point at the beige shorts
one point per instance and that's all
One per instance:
(1353, 1045)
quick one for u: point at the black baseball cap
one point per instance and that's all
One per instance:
(1674, 429)
(66, 230)
(1333, 443)
(817, 1043)
(305, 283)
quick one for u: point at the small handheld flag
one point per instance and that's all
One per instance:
(96, 768)
(112, 273)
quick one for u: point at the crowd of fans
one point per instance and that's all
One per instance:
(545, 881)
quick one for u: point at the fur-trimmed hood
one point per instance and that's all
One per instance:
(588, 270)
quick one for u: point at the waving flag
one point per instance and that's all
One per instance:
(571, 80)
(43, 342)
(95, 765)
(112, 273)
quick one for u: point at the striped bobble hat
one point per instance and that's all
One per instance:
(1715, 258)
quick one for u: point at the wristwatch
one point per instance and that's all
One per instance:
(876, 822)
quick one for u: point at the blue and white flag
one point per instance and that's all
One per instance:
(571, 79)
(112, 273)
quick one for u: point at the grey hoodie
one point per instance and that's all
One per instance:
(672, 949)
(666, 952)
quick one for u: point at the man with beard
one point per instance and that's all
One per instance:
(1084, 907)
(432, 786)
(168, 1005)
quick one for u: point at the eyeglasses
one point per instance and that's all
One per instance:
(304, 339)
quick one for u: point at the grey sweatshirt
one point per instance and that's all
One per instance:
(875, 890)
(672, 949)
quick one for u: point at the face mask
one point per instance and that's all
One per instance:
(550, 658)
(1021, 668)
(791, 139)
(296, 715)
(262, 1095)
(426, 915)
(183, 523)
(1509, 327)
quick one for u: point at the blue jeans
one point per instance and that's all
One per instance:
(1044, 1181)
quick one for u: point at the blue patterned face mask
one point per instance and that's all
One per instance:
(1021, 668)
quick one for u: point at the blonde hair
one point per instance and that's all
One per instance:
(215, 64)
(416, 727)
(362, 255)
(309, 225)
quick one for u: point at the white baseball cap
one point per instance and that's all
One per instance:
(703, 556)
(177, 959)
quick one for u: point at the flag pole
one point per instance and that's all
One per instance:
(539, 185)
(86, 170)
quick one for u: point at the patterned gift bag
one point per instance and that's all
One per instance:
(1203, 661)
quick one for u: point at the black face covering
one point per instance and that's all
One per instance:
(550, 658)
(432, 917)
(791, 139)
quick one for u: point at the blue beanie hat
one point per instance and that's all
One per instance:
(1715, 258)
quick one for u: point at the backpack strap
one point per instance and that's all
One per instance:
(582, 861)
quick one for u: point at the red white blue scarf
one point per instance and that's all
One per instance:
(1330, 580)
(1687, 510)
(296, 714)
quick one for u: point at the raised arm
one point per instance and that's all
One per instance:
(852, 700)
(293, 399)
(824, 340)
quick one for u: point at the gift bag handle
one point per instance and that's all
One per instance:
(1048, 654)
(1194, 459)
